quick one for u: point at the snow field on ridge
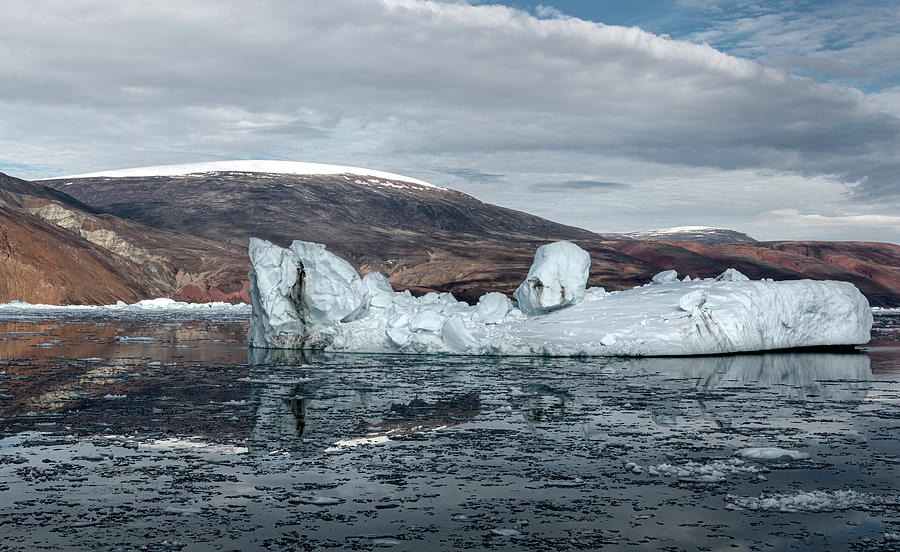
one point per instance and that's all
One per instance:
(246, 165)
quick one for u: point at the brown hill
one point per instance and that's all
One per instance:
(62, 251)
(422, 237)
(42, 263)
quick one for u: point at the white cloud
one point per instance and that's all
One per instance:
(849, 41)
(548, 12)
(809, 225)
(415, 87)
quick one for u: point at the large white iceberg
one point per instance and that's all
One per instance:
(304, 297)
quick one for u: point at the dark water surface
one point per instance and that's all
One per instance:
(160, 431)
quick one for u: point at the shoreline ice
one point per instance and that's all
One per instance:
(158, 304)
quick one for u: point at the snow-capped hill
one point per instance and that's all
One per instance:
(249, 166)
(185, 236)
(700, 234)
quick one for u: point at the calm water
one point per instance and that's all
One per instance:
(162, 432)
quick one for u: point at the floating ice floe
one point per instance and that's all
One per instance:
(714, 471)
(813, 501)
(304, 297)
(771, 453)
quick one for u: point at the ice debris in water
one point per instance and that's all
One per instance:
(771, 453)
(506, 532)
(304, 297)
(813, 501)
(714, 471)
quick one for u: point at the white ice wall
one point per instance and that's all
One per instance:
(335, 310)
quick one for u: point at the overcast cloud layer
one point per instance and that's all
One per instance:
(605, 127)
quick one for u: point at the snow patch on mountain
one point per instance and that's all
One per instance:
(703, 234)
(248, 166)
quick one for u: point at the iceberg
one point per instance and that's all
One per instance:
(304, 297)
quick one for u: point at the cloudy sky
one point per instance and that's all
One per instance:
(782, 121)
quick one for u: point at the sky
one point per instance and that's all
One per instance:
(780, 119)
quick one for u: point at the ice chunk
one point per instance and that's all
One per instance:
(377, 284)
(159, 304)
(329, 288)
(594, 293)
(665, 277)
(692, 300)
(556, 279)
(319, 500)
(814, 501)
(428, 320)
(401, 320)
(731, 275)
(506, 532)
(398, 336)
(299, 290)
(713, 471)
(346, 313)
(492, 308)
(457, 337)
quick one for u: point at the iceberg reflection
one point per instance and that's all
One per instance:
(804, 376)
(726, 388)
(306, 399)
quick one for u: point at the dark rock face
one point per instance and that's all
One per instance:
(340, 209)
(186, 236)
(12, 186)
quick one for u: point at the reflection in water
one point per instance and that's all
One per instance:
(542, 402)
(807, 376)
(292, 413)
(102, 416)
(284, 357)
(279, 416)
(786, 378)
(296, 418)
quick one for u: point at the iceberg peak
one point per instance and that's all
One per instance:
(557, 278)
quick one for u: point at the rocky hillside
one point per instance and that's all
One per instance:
(62, 251)
(182, 231)
(43, 263)
(424, 237)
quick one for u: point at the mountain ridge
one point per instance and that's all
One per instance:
(423, 238)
